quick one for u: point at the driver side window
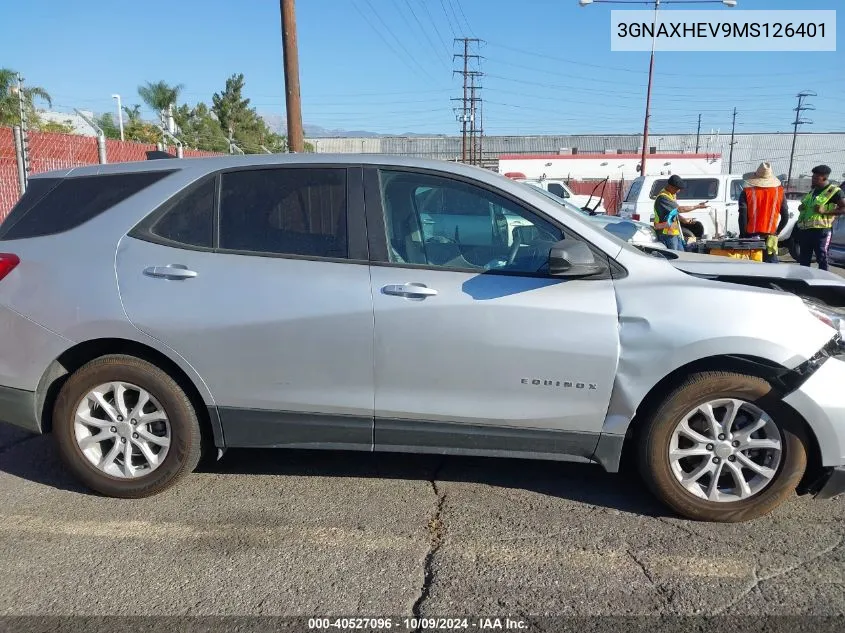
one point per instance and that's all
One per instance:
(436, 221)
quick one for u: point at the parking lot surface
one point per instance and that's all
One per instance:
(314, 533)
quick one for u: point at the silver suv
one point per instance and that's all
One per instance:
(153, 313)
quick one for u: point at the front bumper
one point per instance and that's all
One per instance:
(820, 400)
(18, 408)
(832, 484)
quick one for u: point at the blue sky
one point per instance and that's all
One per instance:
(384, 65)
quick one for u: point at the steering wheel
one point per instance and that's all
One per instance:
(514, 251)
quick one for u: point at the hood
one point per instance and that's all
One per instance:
(805, 282)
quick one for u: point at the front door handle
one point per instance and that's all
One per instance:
(171, 271)
(410, 291)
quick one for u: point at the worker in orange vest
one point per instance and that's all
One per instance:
(763, 212)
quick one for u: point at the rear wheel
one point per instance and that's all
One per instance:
(125, 428)
(722, 448)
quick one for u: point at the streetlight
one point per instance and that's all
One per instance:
(656, 3)
(119, 114)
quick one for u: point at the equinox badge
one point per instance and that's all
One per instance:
(566, 384)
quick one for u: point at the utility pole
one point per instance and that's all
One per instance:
(698, 136)
(24, 135)
(798, 121)
(467, 101)
(733, 142)
(474, 124)
(293, 102)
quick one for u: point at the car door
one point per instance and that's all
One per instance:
(733, 192)
(259, 279)
(477, 349)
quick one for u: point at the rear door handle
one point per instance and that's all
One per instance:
(171, 271)
(409, 290)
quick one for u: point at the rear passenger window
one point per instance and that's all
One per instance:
(190, 219)
(73, 202)
(287, 211)
(736, 189)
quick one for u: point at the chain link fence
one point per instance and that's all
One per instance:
(49, 151)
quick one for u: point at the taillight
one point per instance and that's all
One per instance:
(636, 216)
(8, 263)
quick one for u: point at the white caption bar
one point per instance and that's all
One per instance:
(724, 30)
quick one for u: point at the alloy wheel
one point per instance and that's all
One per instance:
(122, 430)
(725, 450)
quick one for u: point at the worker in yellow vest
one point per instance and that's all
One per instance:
(667, 221)
(818, 210)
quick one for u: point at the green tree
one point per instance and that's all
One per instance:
(159, 95)
(56, 127)
(9, 103)
(107, 124)
(249, 131)
(200, 129)
(135, 129)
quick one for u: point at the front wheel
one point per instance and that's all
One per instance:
(722, 448)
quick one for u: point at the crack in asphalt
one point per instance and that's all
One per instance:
(435, 531)
(757, 579)
(667, 594)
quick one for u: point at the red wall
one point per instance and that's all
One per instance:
(48, 151)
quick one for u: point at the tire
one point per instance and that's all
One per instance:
(795, 248)
(661, 474)
(181, 425)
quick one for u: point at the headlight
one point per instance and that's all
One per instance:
(834, 317)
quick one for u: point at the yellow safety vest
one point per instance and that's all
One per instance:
(672, 230)
(808, 218)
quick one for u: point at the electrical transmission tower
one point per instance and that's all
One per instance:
(471, 130)
(799, 121)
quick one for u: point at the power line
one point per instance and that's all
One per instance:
(464, 15)
(387, 28)
(422, 28)
(436, 28)
(448, 19)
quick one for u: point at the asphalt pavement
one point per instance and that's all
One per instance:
(314, 533)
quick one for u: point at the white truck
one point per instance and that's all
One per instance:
(721, 193)
(559, 188)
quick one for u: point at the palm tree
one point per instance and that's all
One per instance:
(9, 103)
(159, 95)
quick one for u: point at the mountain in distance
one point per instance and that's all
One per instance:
(278, 123)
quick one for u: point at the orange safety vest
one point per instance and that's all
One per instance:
(764, 205)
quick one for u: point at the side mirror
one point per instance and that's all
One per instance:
(571, 258)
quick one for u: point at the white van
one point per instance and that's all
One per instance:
(721, 193)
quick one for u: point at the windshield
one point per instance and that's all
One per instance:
(571, 207)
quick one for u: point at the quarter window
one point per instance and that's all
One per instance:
(436, 221)
(286, 211)
(54, 208)
(736, 189)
